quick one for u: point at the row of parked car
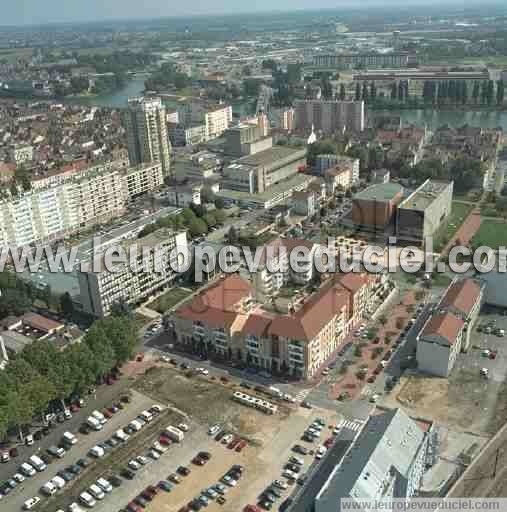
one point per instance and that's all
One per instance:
(232, 441)
(217, 491)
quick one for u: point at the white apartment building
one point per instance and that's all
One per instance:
(329, 116)
(146, 125)
(216, 118)
(142, 179)
(153, 271)
(46, 214)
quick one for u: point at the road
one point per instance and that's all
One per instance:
(31, 486)
(304, 498)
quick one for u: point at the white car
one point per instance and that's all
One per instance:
(280, 484)
(31, 503)
(183, 427)
(105, 485)
(321, 452)
(87, 499)
(287, 473)
(18, 477)
(58, 482)
(142, 460)
(227, 439)
(133, 464)
(154, 454)
(74, 507)
(202, 371)
(160, 449)
(214, 429)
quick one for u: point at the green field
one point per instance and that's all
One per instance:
(11, 54)
(168, 300)
(449, 227)
(491, 234)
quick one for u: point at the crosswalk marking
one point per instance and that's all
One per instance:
(350, 425)
(301, 395)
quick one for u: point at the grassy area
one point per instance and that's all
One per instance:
(491, 234)
(449, 227)
(11, 54)
(168, 300)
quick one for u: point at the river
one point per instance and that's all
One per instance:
(432, 118)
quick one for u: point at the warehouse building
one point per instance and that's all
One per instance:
(374, 209)
(421, 214)
(257, 173)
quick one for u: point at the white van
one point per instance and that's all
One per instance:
(147, 416)
(87, 499)
(37, 463)
(96, 451)
(104, 485)
(120, 434)
(27, 470)
(96, 492)
(48, 489)
(58, 482)
(99, 417)
(93, 423)
(69, 438)
(135, 425)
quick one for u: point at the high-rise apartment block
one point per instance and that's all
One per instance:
(330, 116)
(148, 141)
(152, 264)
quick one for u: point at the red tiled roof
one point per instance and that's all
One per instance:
(352, 281)
(462, 296)
(40, 322)
(215, 305)
(307, 322)
(445, 325)
(256, 325)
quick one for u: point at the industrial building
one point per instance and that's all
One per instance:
(364, 60)
(387, 460)
(374, 208)
(422, 212)
(257, 173)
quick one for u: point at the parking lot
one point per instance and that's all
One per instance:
(262, 444)
(31, 486)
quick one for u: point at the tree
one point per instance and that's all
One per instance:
(394, 91)
(197, 227)
(67, 305)
(14, 302)
(121, 308)
(476, 92)
(122, 336)
(220, 216)
(490, 92)
(219, 203)
(401, 91)
(326, 88)
(373, 92)
(383, 319)
(500, 92)
(232, 236)
(342, 94)
(210, 220)
(365, 92)
(358, 92)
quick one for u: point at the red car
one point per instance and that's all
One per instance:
(74, 408)
(134, 507)
(151, 489)
(251, 508)
(107, 414)
(241, 445)
(328, 442)
(198, 461)
(164, 440)
(233, 443)
(492, 355)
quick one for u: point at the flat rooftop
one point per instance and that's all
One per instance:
(275, 190)
(271, 155)
(424, 196)
(381, 192)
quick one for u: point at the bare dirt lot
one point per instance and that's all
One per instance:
(209, 401)
(464, 402)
